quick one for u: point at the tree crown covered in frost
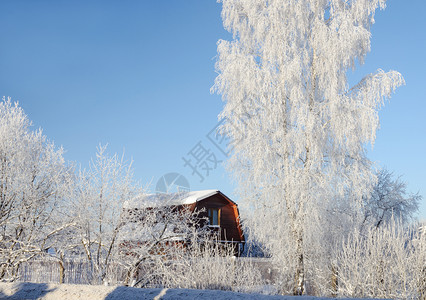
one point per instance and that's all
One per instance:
(298, 130)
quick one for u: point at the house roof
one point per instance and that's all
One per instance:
(160, 199)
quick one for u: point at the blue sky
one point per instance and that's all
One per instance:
(137, 74)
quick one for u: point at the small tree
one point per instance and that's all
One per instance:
(388, 199)
(156, 231)
(99, 197)
(34, 182)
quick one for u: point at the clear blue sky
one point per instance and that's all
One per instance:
(136, 75)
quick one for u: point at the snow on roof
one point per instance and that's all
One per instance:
(160, 199)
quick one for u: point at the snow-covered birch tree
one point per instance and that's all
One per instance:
(298, 130)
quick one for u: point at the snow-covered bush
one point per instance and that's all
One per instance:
(210, 264)
(384, 262)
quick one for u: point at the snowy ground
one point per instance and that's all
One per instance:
(69, 291)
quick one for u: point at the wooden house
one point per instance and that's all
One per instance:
(214, 209)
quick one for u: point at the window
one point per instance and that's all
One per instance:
(214, 216)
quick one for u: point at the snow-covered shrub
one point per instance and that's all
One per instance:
(211, 265)
(384, 262)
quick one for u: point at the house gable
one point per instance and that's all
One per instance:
(229, 220)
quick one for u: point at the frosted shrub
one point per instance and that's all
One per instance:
(385, 262)
(211, 265)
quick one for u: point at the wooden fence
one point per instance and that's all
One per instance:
(76, 272)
